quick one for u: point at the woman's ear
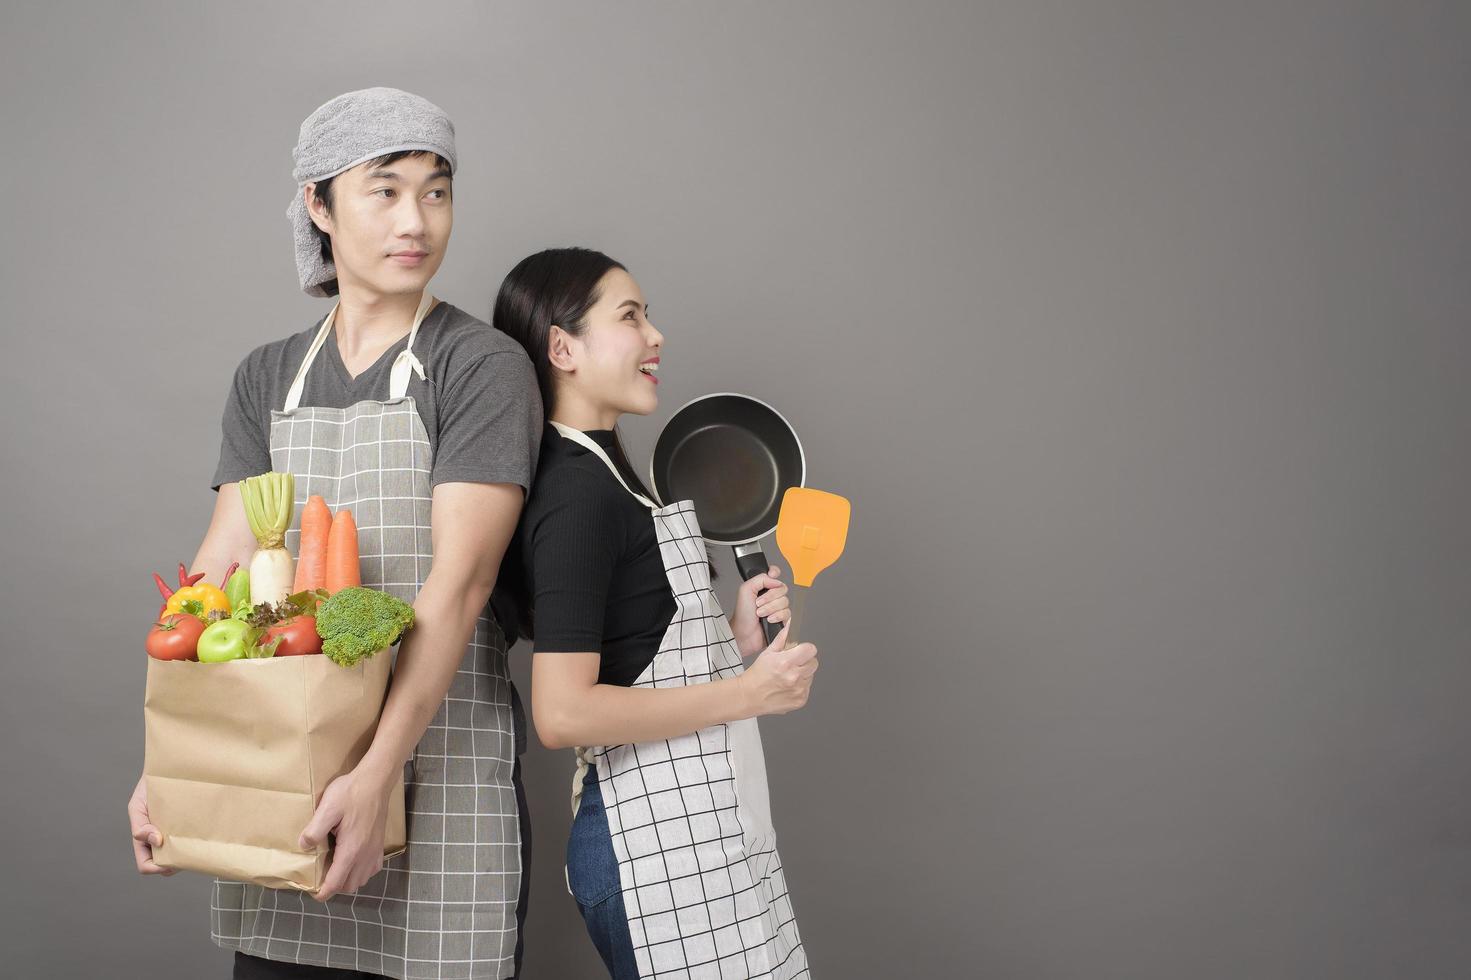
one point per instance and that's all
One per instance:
(317, 209)
(560, 350)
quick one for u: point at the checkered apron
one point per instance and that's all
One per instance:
(446, 907)
(690, 817)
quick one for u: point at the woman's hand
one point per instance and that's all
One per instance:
(145, 835)
(353, 810)
(779, 680)
(774, 605)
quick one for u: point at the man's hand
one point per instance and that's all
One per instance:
(145, 835)
(353, 810)
(774, 605)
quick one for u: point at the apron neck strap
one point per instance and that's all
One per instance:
(583, 440)
(398, 377)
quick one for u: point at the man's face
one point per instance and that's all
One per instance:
(389, 224)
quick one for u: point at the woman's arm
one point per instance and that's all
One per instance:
(576, 537)
(569, 707)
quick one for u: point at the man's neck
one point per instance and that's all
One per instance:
(368, 320)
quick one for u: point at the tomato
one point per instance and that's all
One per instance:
(298, 637)
(175, 638)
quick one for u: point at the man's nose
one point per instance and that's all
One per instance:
(409, 219)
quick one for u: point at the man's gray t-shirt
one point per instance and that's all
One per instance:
(478, 400)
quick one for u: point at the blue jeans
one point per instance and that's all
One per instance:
(592, 873)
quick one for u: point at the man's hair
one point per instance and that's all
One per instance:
(324, 194)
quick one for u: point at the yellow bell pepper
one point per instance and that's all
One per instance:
(209, 598)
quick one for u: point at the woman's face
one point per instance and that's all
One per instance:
(616, 360)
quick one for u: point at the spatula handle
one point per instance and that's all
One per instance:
(798, 596)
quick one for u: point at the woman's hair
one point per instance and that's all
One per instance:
(323, 192)
(554, 287)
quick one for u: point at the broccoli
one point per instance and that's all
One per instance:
(356, 623)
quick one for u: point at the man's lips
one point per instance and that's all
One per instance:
(409, 258)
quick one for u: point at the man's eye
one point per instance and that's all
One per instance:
(384, 191)
(441, 194)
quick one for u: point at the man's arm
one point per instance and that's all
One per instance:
(472, 525)
(229, 539)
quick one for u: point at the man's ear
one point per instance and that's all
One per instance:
(559, 349)
(317, 209)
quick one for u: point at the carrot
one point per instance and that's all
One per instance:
(311, 560)
(342, 553)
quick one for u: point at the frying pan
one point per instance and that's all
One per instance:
(734, 456)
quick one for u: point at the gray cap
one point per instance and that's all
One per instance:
(349, 130)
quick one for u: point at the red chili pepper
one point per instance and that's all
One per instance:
(185, 579)
(165, 591)
(228, 572)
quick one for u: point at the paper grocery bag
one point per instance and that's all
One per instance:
(238, 754)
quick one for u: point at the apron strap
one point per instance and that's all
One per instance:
(398, 377)
(582, 439)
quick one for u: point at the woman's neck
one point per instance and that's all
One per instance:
(581, 414)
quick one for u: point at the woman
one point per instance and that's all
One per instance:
(672, 858)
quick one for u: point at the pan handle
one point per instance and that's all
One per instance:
(750, 564)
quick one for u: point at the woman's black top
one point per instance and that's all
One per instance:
(591, 561)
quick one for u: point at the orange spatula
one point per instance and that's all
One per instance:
(811, 532)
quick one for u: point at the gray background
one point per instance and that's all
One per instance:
(1136, 332)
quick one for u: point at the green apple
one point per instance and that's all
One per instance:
(222, 641)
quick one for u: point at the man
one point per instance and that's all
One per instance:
(425, 422)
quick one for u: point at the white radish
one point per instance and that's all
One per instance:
(270, 506)
(272, 571)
